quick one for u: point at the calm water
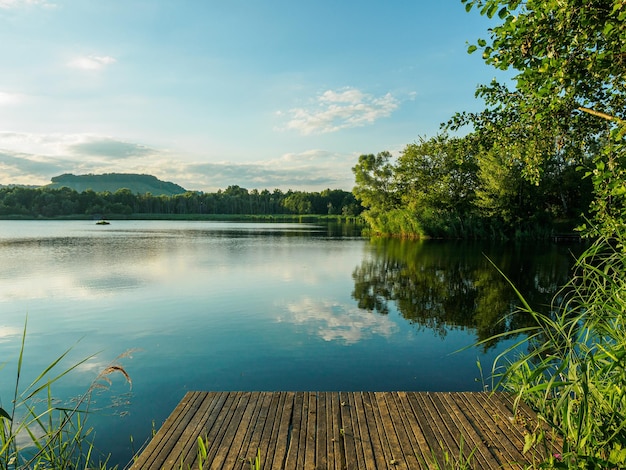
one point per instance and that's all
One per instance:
(244, 306)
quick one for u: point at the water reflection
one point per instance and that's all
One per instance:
(334, 321)
(443, 286)
(8, 333)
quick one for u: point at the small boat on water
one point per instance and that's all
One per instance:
(102, 222)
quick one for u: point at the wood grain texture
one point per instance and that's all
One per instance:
(341, 431)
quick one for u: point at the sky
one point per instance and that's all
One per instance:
(212, 93)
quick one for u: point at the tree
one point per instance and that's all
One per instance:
(571, 66)
(376, 190)
(297, 202)
(374, 181)
(437, 180)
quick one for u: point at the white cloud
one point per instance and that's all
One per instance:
(92, 62)
(343, 109)
(7, 99)
(6, 4)
(31, 158)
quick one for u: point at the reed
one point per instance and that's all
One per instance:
(38, 433)
(571, 365)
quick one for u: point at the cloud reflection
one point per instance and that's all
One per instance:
(8, 332)
(336, 322)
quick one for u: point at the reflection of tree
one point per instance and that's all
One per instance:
(443, 285)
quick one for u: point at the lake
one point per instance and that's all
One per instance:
(253, 306)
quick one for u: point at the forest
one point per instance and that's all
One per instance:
(21, 202)
(464, 187)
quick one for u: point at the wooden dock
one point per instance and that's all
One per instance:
(341, 430)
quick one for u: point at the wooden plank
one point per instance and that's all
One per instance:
(504, 416)
(445, 441)
(262, 420)
(379, 459)
(311, 432)
(356, 434)
(388, 455)
(302, 437)
(365, 440)
(242, 429)
(489, 425)
(273, 413)
(483, 425)
(321, 434)
(507, 423)
(472, 441)
(406, 444)
(432, 440)
(412, 424)
(217, 424)
(340, 430)
(396, 459)
(185, 451)
(166, 436)
(337, 439)
(346, 432)
(229, 434)
(529, 416)
(294, 434)
(280, 440)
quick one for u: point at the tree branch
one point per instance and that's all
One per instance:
(602, 115)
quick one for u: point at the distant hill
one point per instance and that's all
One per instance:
(138, 184)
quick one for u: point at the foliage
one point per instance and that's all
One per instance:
(518, 165)
(464, 187)
(571, 69)
(375, 187)
(570, 63)
(45, 202)
(573, 370)
(36, 432)
(569, 54)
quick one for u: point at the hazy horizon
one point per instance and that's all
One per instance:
(284, 95)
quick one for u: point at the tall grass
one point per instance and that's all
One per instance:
(38, 433)
(571, 366)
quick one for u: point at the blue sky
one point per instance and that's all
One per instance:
(211, 93)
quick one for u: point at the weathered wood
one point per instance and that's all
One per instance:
(341, 431)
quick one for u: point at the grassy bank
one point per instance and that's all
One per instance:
(570, 366)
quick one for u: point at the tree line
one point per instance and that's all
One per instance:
(48, 202)
(464, 187)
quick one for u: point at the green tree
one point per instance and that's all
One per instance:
(437, 180)
(374, 181)
(571, 69)
(297, 202)
(377, 192)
